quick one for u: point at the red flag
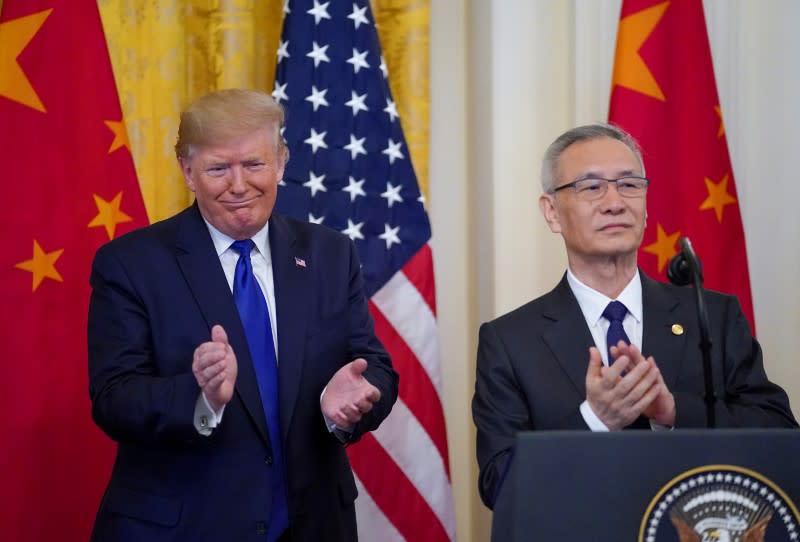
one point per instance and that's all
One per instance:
(68, 171)
(664, 94)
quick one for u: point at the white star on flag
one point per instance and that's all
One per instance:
(316, 140)
(358, 16)
(392, 150)
(355, 189)
(353, 230)
(283, 50)
(356, 146)
(315, 183)
(317, 97)
(384, 69)
(318, 53)
(390, 236)
(280, 92)
(315, 220)
(319, 11)
(392, 194)
(358, 60)
(356, 102)
(391, 109)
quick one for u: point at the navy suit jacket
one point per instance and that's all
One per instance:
(156, 294)
(531, 370)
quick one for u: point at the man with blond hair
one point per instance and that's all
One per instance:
(231, 352)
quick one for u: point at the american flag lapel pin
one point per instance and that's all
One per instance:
(299, 262)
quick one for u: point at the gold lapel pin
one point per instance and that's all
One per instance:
(677, 329)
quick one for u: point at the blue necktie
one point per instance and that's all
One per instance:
(615, 313)
(255, 317)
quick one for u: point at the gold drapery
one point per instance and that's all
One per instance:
(166, 53)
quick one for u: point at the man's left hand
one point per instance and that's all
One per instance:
(662, 409)
(349, 395)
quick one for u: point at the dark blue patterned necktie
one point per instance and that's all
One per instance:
(615, 313)
(255, 317)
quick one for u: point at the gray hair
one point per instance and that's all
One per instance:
(575, 135)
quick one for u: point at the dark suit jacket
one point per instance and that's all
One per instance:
(531, 372)
(156, 294)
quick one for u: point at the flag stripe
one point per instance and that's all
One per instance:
(371, 518)
(416, 389)
(406, 309)
(419, 271)
(411, 448)
(394, 494)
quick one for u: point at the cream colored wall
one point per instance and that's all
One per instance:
(507, 76)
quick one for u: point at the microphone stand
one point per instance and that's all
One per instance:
(685, 268)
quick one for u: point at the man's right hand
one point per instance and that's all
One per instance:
(620, 393)
(214, 366)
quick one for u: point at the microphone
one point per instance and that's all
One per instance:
(685, 268)
(682, 266)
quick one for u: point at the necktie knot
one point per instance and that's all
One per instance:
(243, 247)
(615, 311)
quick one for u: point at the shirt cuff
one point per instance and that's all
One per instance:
(205, 418)
(591, 418)
(658, 427)
(343, 434)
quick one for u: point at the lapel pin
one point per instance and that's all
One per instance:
(299, 262)
(677, 329)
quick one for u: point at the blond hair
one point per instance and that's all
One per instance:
(223, 115)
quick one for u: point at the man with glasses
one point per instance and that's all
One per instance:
(609, 348)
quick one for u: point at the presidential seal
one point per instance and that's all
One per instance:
(720, 503)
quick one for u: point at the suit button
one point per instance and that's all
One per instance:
(261, 528)
(268, 460)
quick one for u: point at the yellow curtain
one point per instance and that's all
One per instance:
(165, 53)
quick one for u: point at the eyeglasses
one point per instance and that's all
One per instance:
(593, 188)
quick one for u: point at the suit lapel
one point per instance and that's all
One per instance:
(200, 265)
(568, 338)
(662, 310)
(291, 272)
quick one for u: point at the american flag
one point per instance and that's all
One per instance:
(350, 169)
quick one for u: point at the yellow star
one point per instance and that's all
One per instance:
(630, 70)
(42, 265)
(664, 247)
(718, 196)
(14, 37)
(120, 135)
(108, 214)
(721, 131)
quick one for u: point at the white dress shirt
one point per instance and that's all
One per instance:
(592, 304)
(205, 418)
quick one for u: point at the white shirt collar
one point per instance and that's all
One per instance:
(223, 242)
(593, 303)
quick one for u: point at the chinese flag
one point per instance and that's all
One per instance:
(70, 186)
(664, 94)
